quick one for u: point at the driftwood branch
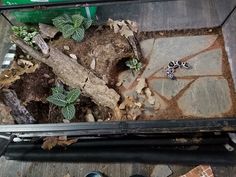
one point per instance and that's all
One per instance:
(41, 44)
(75, 75)
(20, 114)
(136, 47)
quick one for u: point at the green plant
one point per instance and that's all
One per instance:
(72, 26)
(134, 64)
(65, 99)
(26, 33)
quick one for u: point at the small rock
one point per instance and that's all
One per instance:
(46, 76)
(161, 33)
(138, 104)
(161, 171)
(133, 113)
(93, 64)
(210, 30)
(66, 121)
(51, 81)
(99, 120)
(118, 84)
(151, 99)
(66, 47)
(141, 84)
(73, 56)
(21, 56)
(89, 116)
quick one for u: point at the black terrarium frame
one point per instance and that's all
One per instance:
(131, 135)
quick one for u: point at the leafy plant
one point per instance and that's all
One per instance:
(72, 26)
(134, 64)
(26, 33)
(65, 99)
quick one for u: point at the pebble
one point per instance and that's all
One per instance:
(66, 47)
(93, 64)
(46, 76)
(89, 116)
(21, 56)
(99, 120)
(141, 84)
(51, 81)
(66, 121)
(118, 84)
(73, 56)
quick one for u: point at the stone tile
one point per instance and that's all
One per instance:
(200, 171)
(147, 46)
(207, 63)
(168, 88)
(151, 110)
(161, 171)
(206, 97)
(175, 48)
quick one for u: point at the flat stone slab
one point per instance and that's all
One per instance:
(147, 46)
(206, 97)
(161, 171)
(175, 48)
(168, 88)
(205, 64)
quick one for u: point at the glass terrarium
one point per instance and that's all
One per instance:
(115, 70)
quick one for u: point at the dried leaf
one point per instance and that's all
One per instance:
(132, 25)
(151, 99)
(127, 103)
(24, 62)
(5, 115)
(117, 113)
(7, 77)
(114, 24)
(126, 32)
(141, 84)
(67, 175)
(51, 142)
(133, 113)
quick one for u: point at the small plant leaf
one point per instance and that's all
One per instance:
(77, 20)
(72, 96)
(67, 31)
(56, 90)
(67, 18)
(78, 35)
(87, 23)
(59, 22)
(58, 99)
(68, 111)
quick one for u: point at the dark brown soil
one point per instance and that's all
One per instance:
(103, 46)
(35, 86)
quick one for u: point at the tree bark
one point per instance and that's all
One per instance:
(136, 47)
(75, 75)
(20, 114)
